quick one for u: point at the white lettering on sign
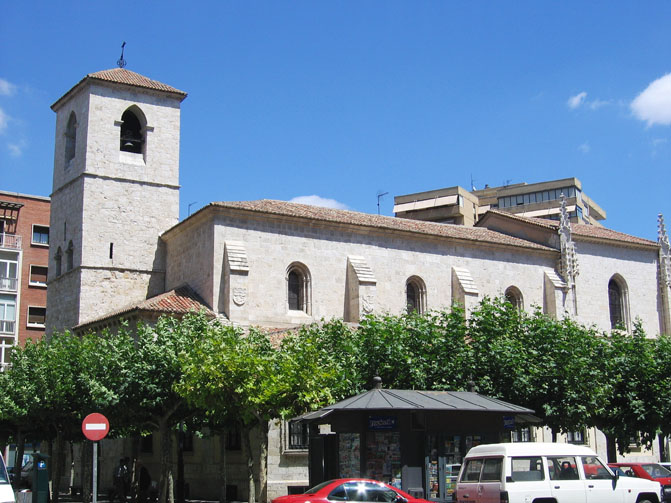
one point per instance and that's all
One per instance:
(95, 426)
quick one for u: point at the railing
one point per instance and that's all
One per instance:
(9, 284)
(10, 241)
(7, 326)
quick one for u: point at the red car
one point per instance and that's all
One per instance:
(350, 490)
(650, 471)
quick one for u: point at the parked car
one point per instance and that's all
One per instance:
(6, 490)
(650, 471)
(529, 472)
(350, 490)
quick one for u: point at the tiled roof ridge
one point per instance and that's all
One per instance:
(580, 230)
(285, 208)
(181, 299)
(123, 76)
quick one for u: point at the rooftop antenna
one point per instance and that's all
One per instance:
(472, 183)
(121, 62)
(379, 196)
(189, 208)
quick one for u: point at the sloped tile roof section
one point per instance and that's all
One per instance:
(370, 221)
(381, 399)
(123, 77)
(180, 301)
(579, 230)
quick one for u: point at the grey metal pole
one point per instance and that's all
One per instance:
(95, 472)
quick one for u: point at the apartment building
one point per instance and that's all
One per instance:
(456, 205)
(24, 255)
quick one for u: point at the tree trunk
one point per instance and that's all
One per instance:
(135, 450)
(611, 449)
(222, 467)
(663, 455)
(56, 466)
(165, 479)
(72, 469)
(554, 435)
(87, 470)
(180, 464)
(18, 460)
(246, 433)
(263, 462)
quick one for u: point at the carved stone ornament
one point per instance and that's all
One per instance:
(568, 265)
(239, 296)
(664, 252)
(367, 303)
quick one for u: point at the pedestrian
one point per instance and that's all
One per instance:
(120, 474)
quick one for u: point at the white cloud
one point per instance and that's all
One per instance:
(6, 88)
(577, 100)
(653, 105)
(319, 201)
(585, 148)
(16, 149)
(597, 104)
(4, 120)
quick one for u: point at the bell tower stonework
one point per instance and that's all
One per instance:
(115, 190)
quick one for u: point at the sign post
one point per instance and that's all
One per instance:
(95, 427)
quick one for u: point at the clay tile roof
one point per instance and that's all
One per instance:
(123, 76)
(126, 77)
(581, 230)
(180, 301)
(307, 212)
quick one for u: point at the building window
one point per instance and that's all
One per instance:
(147, 444)
(297, 435)
(38, 275)
(37, 317)
(514, 297)
(58, 259)
(415, 295)
(7, 314)
(617, 303)
(40, 235)
(132, 134)
(70, 139)
(233, 439)
(576, 437)
(521, 435)
(298, 288)
(69, 257)
(9, 275)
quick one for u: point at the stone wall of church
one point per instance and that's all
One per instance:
(638, 268)
(272, 245)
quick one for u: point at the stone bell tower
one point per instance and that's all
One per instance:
(115, 190)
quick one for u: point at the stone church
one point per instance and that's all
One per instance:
(119, 252)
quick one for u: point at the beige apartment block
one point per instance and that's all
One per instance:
(456, 205)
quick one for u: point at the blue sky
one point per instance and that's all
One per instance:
(344, 100)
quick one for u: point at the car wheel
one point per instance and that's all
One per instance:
(645, 500)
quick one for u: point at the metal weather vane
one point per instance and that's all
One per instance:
(121, 62)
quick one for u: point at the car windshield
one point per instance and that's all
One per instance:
(656, 471)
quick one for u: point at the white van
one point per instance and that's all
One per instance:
(534, 472)
(6, 490)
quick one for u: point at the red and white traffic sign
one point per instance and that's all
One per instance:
(95, 426)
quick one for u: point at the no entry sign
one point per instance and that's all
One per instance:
(95, 426)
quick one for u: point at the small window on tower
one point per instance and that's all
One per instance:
(132, 134)
(70, 139)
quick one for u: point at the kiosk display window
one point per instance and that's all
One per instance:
(349, 455)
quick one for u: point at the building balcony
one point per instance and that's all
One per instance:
(10, 241)
(9, 284)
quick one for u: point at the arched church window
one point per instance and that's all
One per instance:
(298, 288)
(514, 297)
(70, 139)
(415, 295)
(69, 257)
(617, 302)
(132, 133)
